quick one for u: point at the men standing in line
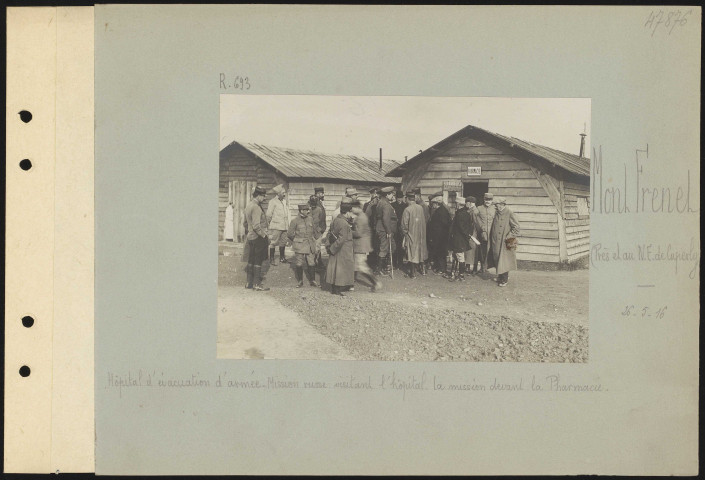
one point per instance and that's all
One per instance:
(303, 234)
(318, 215)
(438, 228)
(362, 245)
(370, 210)
(485, 215)
(257, 239)
(278, 218)
(413, 228)
(340, 272)
(399, 206)
(386, 226)
(503, 243)
(460, 231)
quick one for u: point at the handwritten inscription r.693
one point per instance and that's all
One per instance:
(668, 20)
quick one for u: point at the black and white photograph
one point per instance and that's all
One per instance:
(404, 228)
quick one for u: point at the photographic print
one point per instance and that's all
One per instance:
(403, 228)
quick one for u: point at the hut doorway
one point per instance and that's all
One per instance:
(476, 189)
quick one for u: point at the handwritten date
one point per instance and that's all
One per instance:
(667, 20)
(644, 312)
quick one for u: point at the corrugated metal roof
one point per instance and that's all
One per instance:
(567, 161)
(295, 163)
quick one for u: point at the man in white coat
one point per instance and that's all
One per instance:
(278, 218)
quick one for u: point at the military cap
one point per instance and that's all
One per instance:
(500, 201)
(489, 196)
(350, 191)
(304, 206)
(258, 191)
(345, 207)
(437, 199)
(387, 190)
(410, 194)
(470, 200)
(438, 194)
(318, 189)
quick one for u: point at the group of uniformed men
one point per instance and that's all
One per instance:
(391, 231)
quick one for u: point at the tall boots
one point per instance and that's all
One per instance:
(385, 266)
(272, 257)
(299, 272)
(282, 257)
(249, 269)
(412, 270)
(257, 270)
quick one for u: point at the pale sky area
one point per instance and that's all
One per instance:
(401, 126)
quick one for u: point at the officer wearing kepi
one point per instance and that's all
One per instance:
(485, 216)
(318, 215)
(386, 227)
(303, 235)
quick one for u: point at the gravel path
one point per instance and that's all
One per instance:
(539, 317)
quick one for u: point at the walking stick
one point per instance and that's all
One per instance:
(391, 258)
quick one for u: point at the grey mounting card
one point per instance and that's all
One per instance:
(175, 85)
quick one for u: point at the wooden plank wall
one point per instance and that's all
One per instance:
(508, 177)
(237, 165)
(577, 226)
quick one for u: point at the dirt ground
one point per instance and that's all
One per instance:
(538, 317)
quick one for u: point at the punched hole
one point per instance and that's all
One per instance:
(25, 164)
(25, 116)
(24, 371)
(27, 321)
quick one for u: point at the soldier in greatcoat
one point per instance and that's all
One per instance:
(318, 215)
(303, 235)
(362, 246)
(485, 216)
(438, 232)
(386, 226)
(502, 252)
(413, 228)
(399, 206)
(370, 210)
(340, 272)
(460, 231)
(257, 239)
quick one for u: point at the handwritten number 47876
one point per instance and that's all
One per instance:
(667, 20)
